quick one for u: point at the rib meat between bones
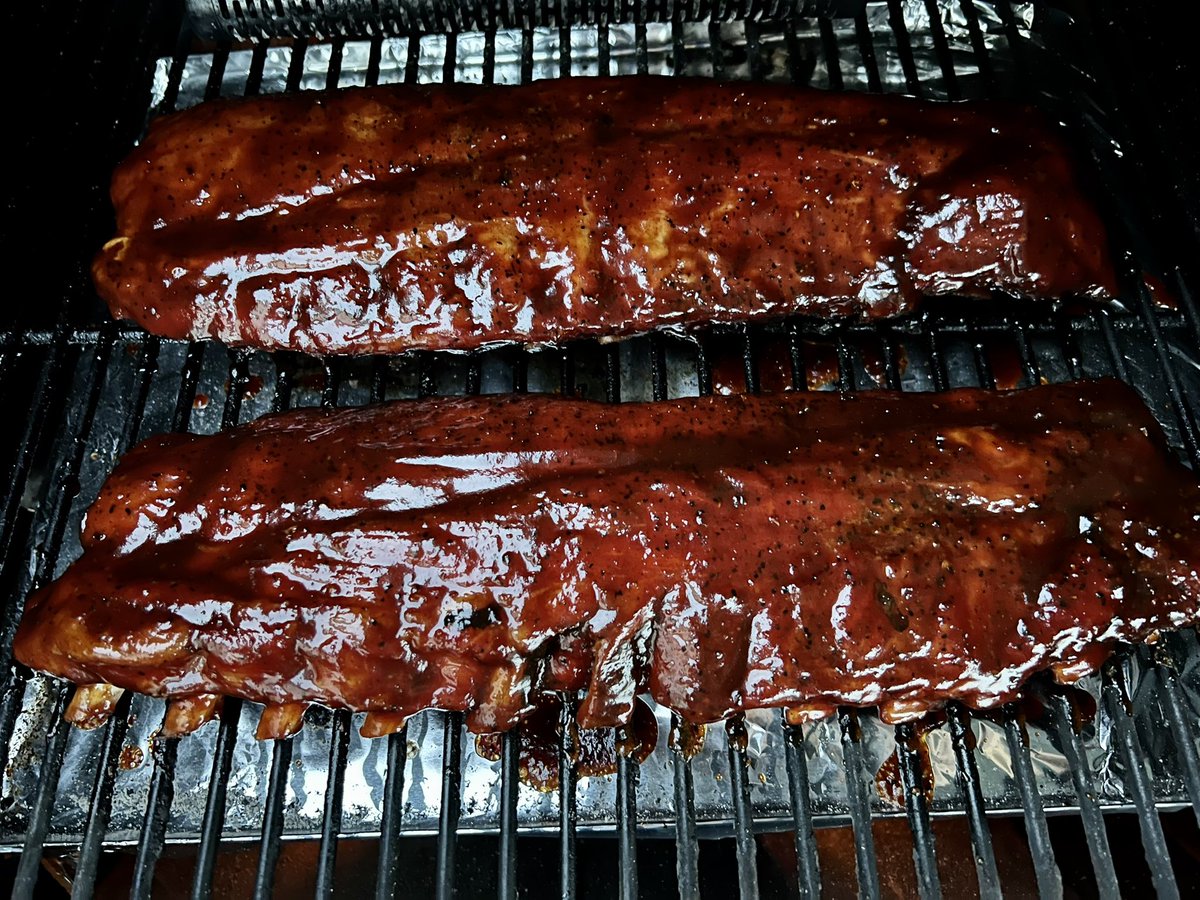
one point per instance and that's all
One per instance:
(721, 553)
(453, 216)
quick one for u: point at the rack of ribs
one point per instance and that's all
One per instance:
(882, 549)
(399, 217)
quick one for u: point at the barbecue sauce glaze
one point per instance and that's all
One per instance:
(452, 216)
(719, 553)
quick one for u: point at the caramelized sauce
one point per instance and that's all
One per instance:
(596, 750)
(130, 757)
(1004, 361)
(889, 781)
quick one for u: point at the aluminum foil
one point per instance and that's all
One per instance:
(366, 773)
(804, 61)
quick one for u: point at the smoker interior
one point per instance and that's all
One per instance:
(80, 388)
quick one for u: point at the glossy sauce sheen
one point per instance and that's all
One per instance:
(452, 216)
(721, 553)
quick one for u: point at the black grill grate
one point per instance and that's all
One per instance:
(94, 390)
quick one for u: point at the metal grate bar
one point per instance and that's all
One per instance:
(175, 74)
(450, 58)
(979, 320)
(807, 863)
(677, 47)
(510, 750)
(190, 377)
(832, 58)
(567, 816)
(866, 47)
(858, 797)
(942, 48)
(753, 50)
(914, 777)
(220, 59)
(1064, 333)
(937, 361)
(1045, 867)
(393, 815)
(39, 815)
(296, 64)
(526, 56)
(603, 49)
(627, 780)
(749, 360)
(334, 73)
(1086, 797)
(214, 807)
(845, 373)
(983, 60)
(716, 50)
(520, 371)
(83, 884)
(743, 817)
(566, 378)
(1162, 354)
(331, 823)
(1029, 362)
(1139, 781)
(962, 739)
(412, 63)
(983, 368)
(639, 45)
(258, 62)
(158, 810)
(331, 380)
(904, 45)
(891, 360)
(687, 848)
(796, 357)
(1180, 720)
(489, 57)
(1115, 357)
(272, 827)
(564, 51)
(375, 59)
(451, 806)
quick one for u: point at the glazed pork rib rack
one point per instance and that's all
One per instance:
(433, 217)
(96, 388)
(470, 554)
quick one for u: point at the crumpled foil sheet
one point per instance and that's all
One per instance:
(596, 797)
(804, 61)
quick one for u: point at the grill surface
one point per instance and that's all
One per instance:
(83, 388)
